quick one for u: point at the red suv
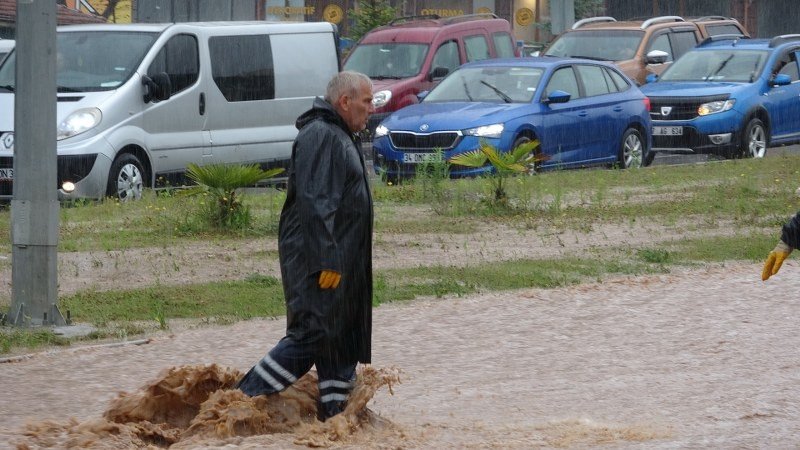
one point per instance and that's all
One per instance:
(412, 54)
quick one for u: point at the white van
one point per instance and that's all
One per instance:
(137, 103)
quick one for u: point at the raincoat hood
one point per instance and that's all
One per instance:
(321, 109)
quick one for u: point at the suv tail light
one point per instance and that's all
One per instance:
(647, 103)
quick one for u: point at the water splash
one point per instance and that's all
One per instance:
(192, 405)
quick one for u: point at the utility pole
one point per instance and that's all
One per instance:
(562, 15)
(34, 207)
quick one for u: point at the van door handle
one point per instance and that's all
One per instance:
(202, 103)
(583, 114)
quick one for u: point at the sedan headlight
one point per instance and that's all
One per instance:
(488, 131)
(715, 107)
(78, 122)
(380, 131)
(381, 98)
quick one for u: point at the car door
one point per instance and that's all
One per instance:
(560, 139)
(174, 128)
(784, 101)
(599, 128)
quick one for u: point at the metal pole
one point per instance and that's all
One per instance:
(34, 207)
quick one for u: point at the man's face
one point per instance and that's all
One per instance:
(356, 110)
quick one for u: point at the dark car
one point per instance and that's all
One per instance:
(582, 112)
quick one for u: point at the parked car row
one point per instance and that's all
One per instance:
(726, 94)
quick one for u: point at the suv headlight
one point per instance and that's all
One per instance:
(489, 131)
(715, 107)
(78, 122)
(381, 98)
(380, 131)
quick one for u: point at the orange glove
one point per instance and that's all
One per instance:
(329, 279)
(775, 259)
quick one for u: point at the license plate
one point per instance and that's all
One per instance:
(667, 131)
(417, 158)
(6, 174)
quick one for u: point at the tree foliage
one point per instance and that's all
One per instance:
(370, 14)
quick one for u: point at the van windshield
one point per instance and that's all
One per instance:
(603, 44)
(393, 60)
(90, 60)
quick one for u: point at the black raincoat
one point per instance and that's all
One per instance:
(790, 234)
(326, 223)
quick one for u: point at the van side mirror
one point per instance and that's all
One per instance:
(438, 72)
(656, 57)
(558, 96)
(158, 87)
(781, 79)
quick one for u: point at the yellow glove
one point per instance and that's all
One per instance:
(329, 279)
(776, 257)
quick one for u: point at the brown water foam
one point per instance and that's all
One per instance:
(191, 406)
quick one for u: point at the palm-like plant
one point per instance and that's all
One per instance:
(221, 182)
(522, 159)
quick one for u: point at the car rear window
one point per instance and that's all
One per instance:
(729, 28)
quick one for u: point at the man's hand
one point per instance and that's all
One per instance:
(328, 279)
(775, 259)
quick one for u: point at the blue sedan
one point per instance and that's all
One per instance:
(583, 113)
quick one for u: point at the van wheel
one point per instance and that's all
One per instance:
(631, 150)
(754, 140)
(126, 178)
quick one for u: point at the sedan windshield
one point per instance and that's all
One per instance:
(90, 60)
(392, 60)
(488, 84)
(606, 45)
(717, 65)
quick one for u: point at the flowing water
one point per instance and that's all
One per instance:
(702, 358)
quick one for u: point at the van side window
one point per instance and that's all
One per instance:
(446, 56)
(242, 67)
(477, 47)
(179, 59)
(503, 44)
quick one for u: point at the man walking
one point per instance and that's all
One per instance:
(325, 248)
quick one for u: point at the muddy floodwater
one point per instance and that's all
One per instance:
(698, 358)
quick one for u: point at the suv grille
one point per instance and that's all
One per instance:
(680, 108)
(445, 140)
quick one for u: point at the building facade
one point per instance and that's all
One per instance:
(530, 18)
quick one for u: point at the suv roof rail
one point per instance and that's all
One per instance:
(778, 40)
(412, 18)
(589, 20)
(467, 17)
(724, 37)
(661, 19)
(702, 18)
